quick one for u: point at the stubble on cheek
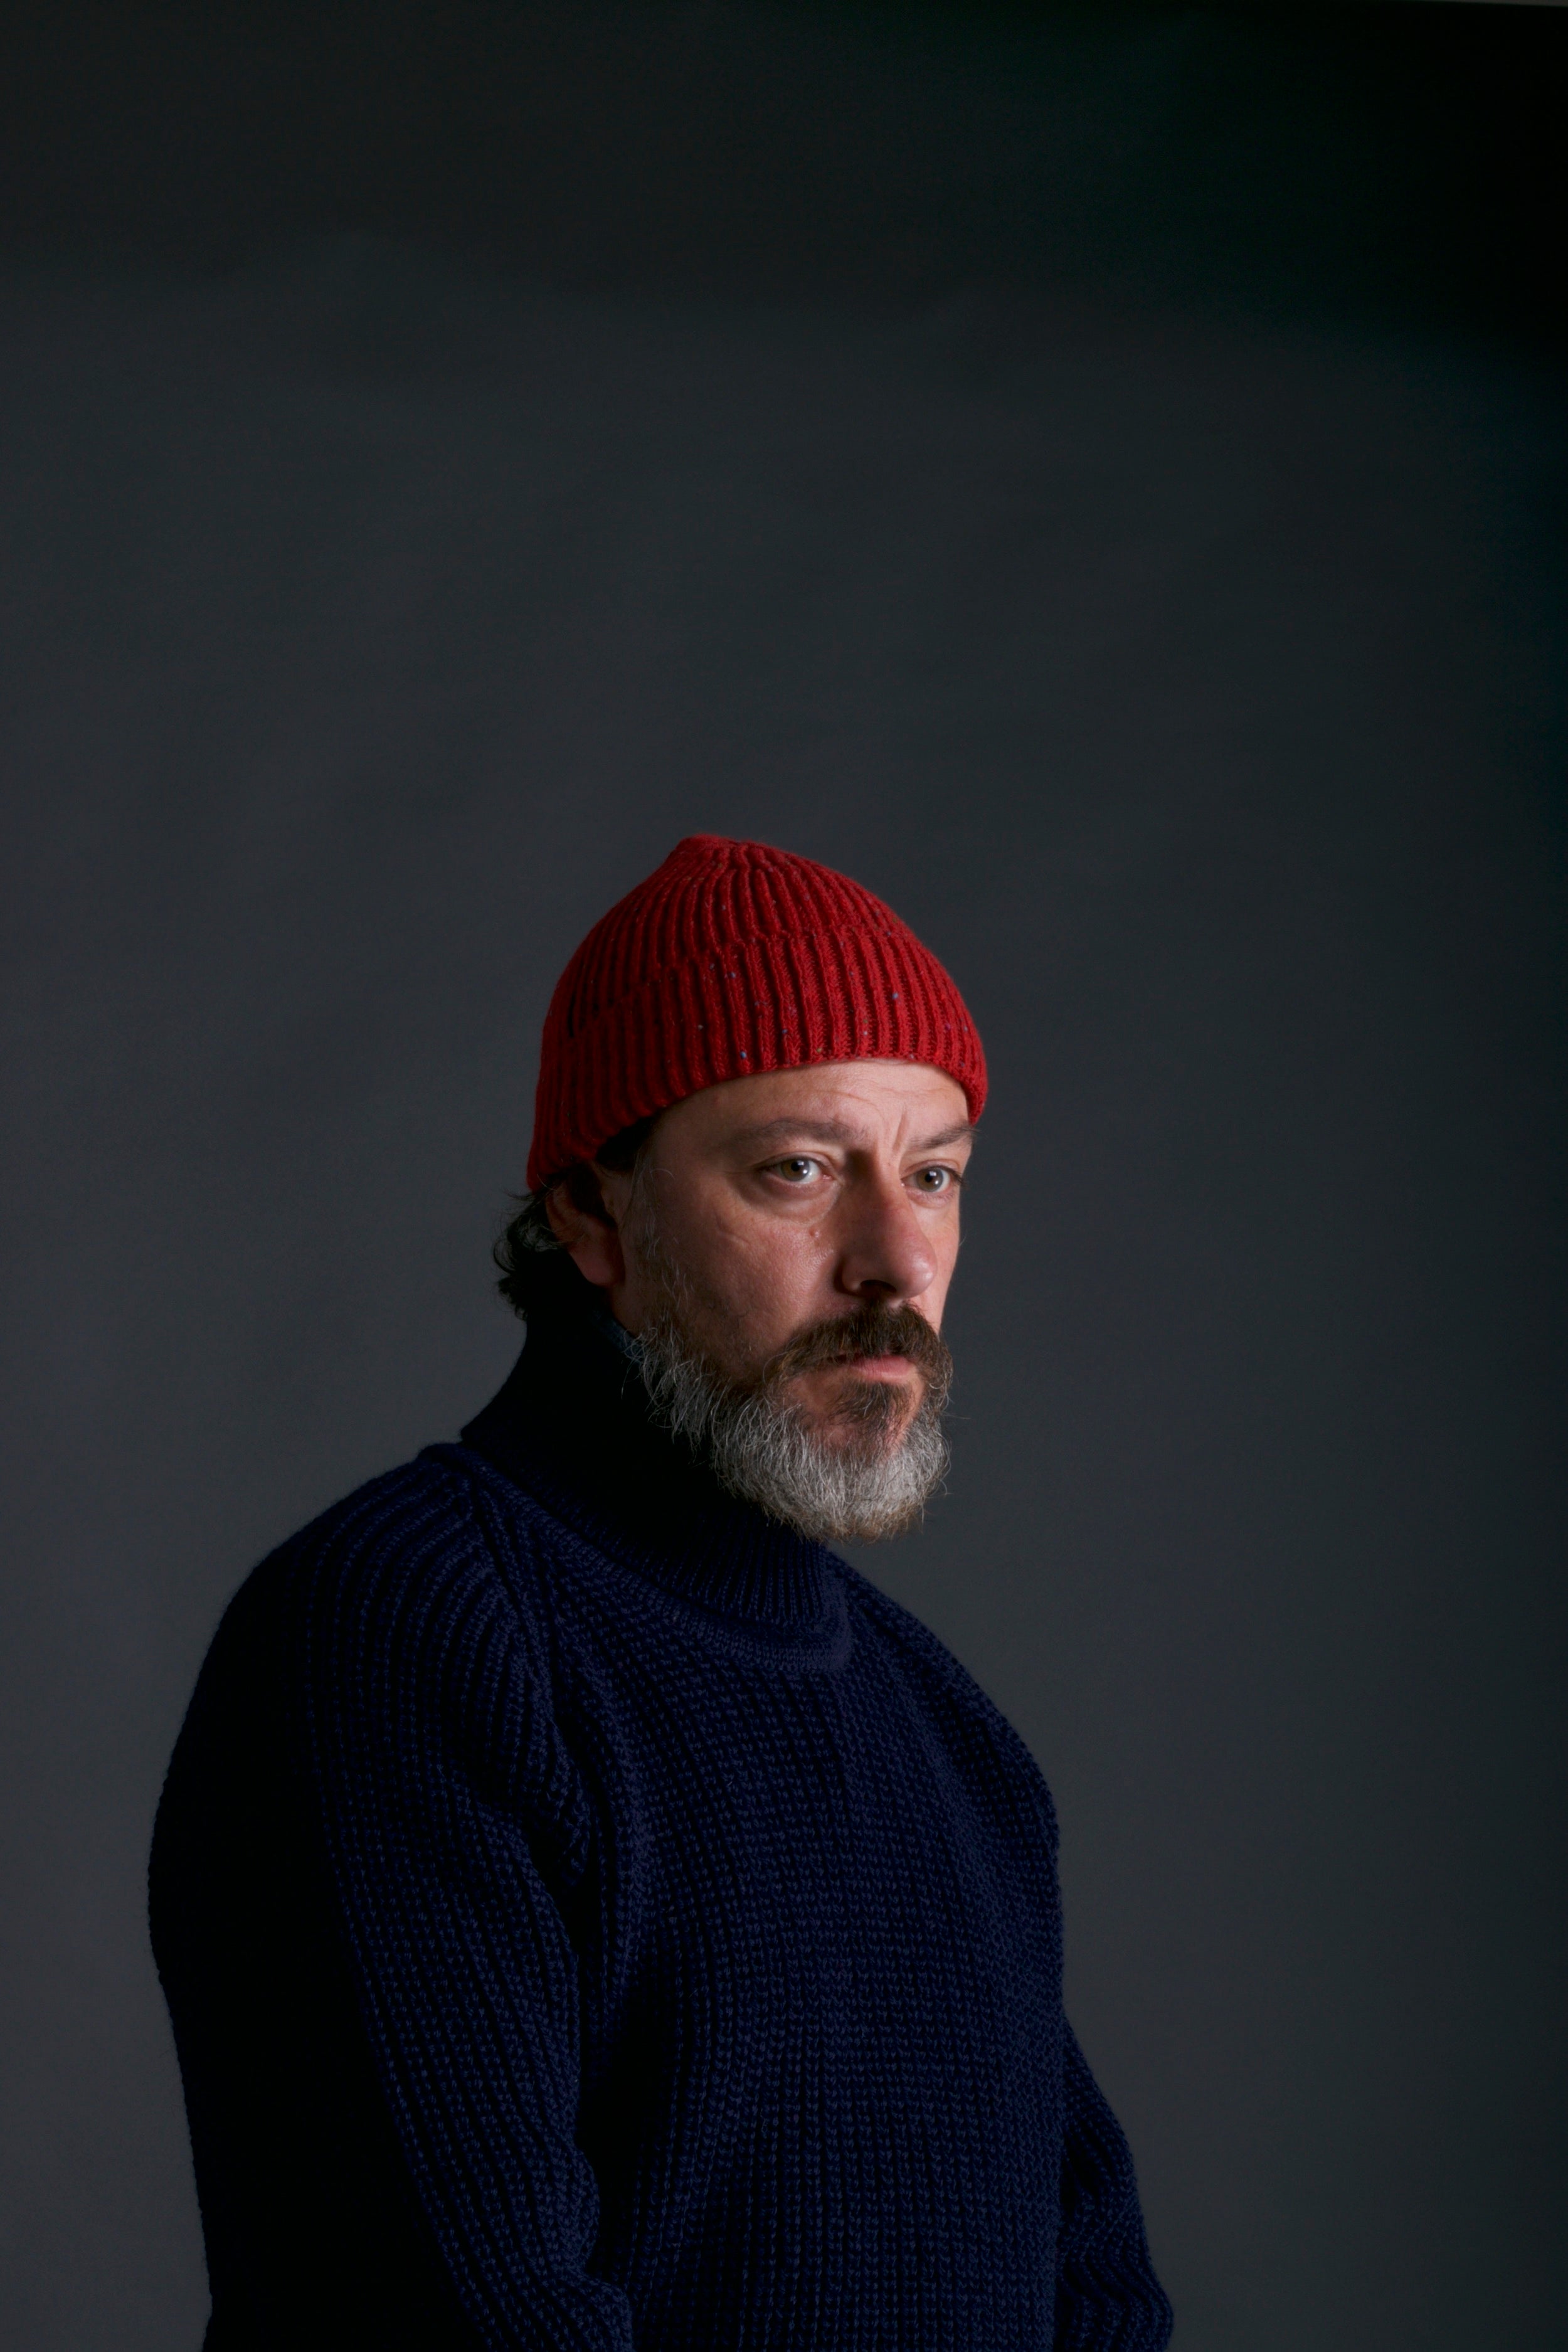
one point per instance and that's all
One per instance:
(733, 1324)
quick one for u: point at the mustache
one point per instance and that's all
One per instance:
(870, 1330)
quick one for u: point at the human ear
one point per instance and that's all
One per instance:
(585, 1232)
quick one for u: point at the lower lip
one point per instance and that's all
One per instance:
(881, 1368)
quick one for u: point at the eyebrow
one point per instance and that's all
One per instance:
(832, 1130)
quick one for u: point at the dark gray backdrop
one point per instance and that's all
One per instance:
(1066, 474)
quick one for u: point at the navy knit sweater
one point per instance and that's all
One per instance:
(595, 1917)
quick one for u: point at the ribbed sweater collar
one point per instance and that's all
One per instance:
(573, 1426)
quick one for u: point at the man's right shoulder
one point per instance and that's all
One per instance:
(438, 1538)
(412, 1614)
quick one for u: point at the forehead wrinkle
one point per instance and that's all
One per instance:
(828, 1131)
(832, 1130)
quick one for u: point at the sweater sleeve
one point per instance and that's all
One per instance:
(1108, 2297)
(456, 1829)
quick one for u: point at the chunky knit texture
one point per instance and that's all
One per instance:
(594, 1917)
(732, 959)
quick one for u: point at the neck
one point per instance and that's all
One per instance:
(573, 1426)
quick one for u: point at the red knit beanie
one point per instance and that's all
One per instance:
(732, 959)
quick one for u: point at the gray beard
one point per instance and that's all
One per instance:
(763, 1449)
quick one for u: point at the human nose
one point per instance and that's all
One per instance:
(887, 1255)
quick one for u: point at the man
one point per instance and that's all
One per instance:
(592, 1916)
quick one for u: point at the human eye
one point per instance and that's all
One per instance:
(798, 1168)
(936, 1180)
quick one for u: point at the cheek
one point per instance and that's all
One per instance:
(768, 1271)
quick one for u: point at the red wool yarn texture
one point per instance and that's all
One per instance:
(732, 959)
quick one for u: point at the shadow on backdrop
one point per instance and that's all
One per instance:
(1098, 478)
